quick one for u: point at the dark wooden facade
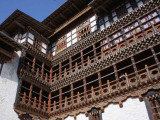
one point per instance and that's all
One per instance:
(7, 47)
(106, 66)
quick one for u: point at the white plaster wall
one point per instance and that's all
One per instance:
(132, 109)
(8, 89)
(82, 117)
(69, 118)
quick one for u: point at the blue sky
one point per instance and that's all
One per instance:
(38, 9)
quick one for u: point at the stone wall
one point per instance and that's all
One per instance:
(8, 89)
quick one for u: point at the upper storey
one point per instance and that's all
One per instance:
(29, 32)
(65, 12)
(74, 21)
(7, 47)
(95, 16)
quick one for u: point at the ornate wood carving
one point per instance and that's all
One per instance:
(101, 34)
(108, 60)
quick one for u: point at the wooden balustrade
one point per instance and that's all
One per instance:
(120, 45)
(33, 102)
(146, 74)
(112, 86)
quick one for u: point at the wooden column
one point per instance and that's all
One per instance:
(82, 59)
(135, 68)
(51, 76)
(72, 92)
(94, 49)
(70, 63)
(33, 64)
(49, 102)
(85, 88)
(60, 98)
(40, 98)
(42, 70)
(100, 83)
(30, 93)
(116, 75)
(155, 57)
(60, 70)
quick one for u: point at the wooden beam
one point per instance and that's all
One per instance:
(6, 53)
(71, 20)
(9, 43)
(63, 16)
(19, 24)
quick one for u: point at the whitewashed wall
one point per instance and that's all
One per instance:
(78, 117)
(132, 109)
(8, 89)
(69, 118)
(82, 117)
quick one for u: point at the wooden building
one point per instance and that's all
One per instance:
(86, 58)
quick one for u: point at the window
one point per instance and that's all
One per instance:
(53, 49)
(78, 33)
(116, 38)
(30, 38)
(104, 44)
(155, 18)
(93, 21)
(139, 3)
(18, 38)
(24, 37)
(44, 48)
(114, 16)
(131, 29)
(104, 22)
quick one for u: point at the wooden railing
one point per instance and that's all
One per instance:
(143, 76)
(143, 33)
(33, 102)
(54, 76)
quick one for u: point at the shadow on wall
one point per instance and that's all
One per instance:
(9, 70)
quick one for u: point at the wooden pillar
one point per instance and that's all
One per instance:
(116, 75)
(40, 98)
(70, 63)
(135, 68)
(94, 49)
(72, 93)
(100, 83)
(42, 70)
(155, 57)
(60, 98)
(85, 88)
(49, 102)
(51, 76)
(33, 64)
(30, 93)
(82, 59)
(60, 70)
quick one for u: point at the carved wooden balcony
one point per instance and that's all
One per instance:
(147, 77)
(137, 13)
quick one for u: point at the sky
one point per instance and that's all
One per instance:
(38, 9)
